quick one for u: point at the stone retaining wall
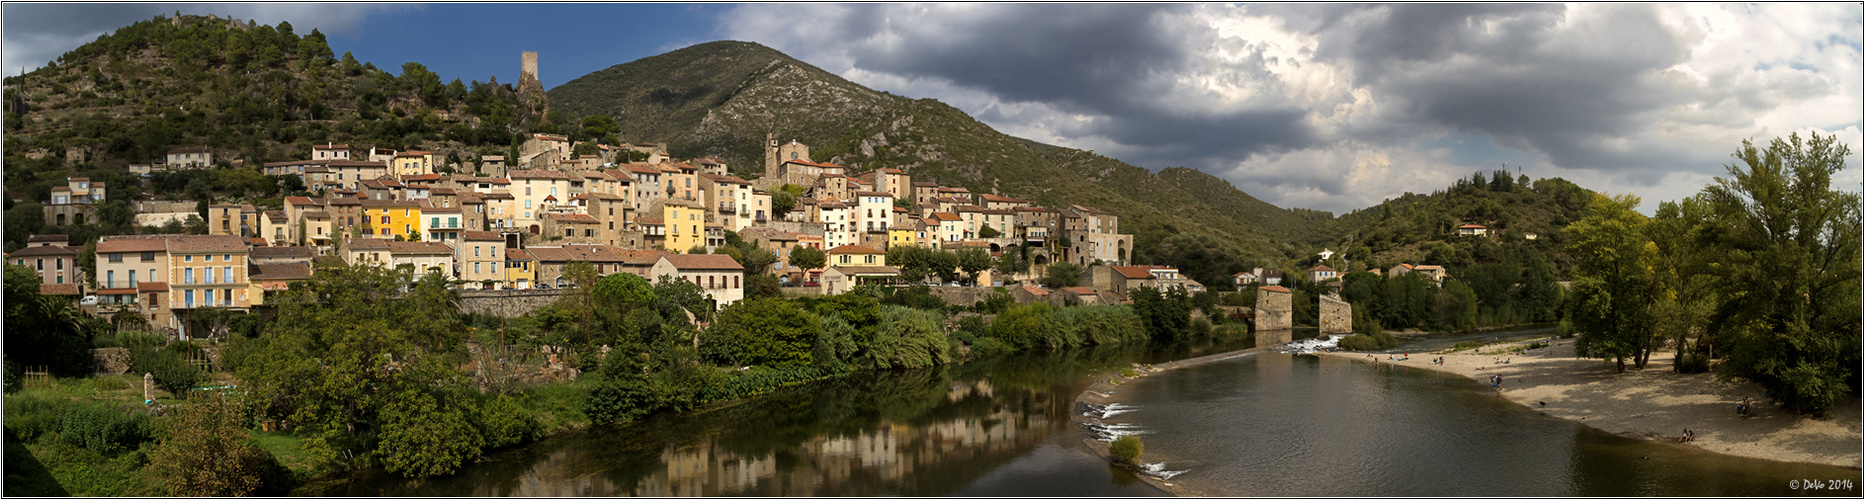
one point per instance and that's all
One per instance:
(506, 303)
(1336, 316)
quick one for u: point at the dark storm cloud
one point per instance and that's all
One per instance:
(1113, 61)
(1499, 70)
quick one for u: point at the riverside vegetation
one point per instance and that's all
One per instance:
(365, 367)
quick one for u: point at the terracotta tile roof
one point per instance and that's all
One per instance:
(1037, 291)
(49, 238)
(367, 244)
(727, 179)
(944, 216)
(1274, 288)
(573, 218)
(649, 220)
(58, 288)
(303, 200)
(866, 270)
(206, 244)
(1000, 199)
(192, 149)
(1132, 272)
(427, 247)
(1081, 290)
(1470, 226)
(48, 251)
(272, 272)
(854, 249)
(286, 251)
(1321, 268)
(518, 254)
(703, 262)
(115, 244)
(481, 236)
(873, 193)
(926, 184)
(332, 146)
(537, 174)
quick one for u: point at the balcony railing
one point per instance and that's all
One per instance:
(728, 208)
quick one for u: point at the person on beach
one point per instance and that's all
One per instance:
(1742, 409)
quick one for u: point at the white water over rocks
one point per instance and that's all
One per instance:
(1311, 346)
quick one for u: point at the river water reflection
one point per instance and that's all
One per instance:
(1289, 425)
(994, 427)
(1262, 425)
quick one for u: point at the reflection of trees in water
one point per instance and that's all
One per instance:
(913, 432)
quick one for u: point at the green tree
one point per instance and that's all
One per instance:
(1011, 263)
(1609, 304)
(782, 202)
(973, 261)
(208, 453)
(1061, 274)
(808, 258)
(361, 362)
(623, 292)
(761, 332)
(1789, 244)
(23, 221)
(44, 330)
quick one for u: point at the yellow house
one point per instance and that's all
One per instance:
(686, 224)
(520, 269)
(898, 236)
(390, 218)
(856, 255)
(412, 163)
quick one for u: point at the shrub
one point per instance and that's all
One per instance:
(32, 416)
(208, 452)
(172, 373)
(504, 423)
(622, 400)
(1126, 448)
(103, 429)
(1364, 342)
(1200, 327)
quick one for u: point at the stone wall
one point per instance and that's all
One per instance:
(112, 360)
(1336, 316)
(506, 303)
(960, 295)
(1274, 310)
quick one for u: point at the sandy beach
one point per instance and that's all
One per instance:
(1653, 403)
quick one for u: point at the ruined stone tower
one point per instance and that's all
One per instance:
(532, 104)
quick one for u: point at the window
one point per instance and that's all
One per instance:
(226, 274)
(187, 258)
(187, 297)
(148, 256)
(187, 276)
(475, 250)
(476, 266)
(132, 278)
(110, 279)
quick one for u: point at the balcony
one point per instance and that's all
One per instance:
(728, 208)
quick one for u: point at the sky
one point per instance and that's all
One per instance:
(1323, 106)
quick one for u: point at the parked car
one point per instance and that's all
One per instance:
(88, 300)
(543, 286)
(812, 283)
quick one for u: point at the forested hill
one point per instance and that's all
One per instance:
(255, 93)
(721, 98)
(1422, 228)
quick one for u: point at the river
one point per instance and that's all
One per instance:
(1265, 424)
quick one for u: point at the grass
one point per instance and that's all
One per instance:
(288, 448)
(559, 406)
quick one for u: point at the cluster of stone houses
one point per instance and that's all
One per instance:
(518, 226)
